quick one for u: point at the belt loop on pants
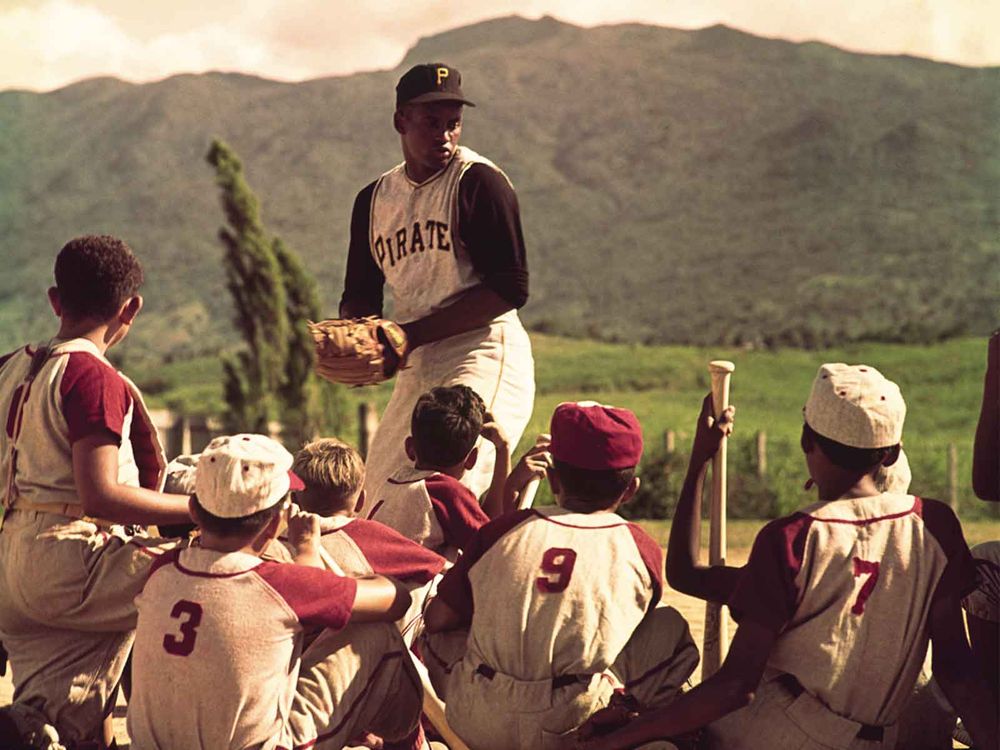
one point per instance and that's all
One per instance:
(791, 683)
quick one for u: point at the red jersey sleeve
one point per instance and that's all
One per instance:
(766, 593)
(391, 554)
(319, 598)
(94, 398)
(457, 510)
(652, 556)
(455, 589)
(959, 578)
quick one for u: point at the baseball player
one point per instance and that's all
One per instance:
(333, 474)
(217, 661)
(79, 457)
(427, 502)
(837, 601)
(443, 230)
(559, 603)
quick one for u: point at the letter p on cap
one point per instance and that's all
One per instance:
(442, 73)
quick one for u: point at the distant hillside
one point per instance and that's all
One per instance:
(689, 186)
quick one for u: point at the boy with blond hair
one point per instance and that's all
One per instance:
(837, 602)
(333, 474)
(78, 459)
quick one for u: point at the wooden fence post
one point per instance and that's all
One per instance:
(761, 454)
(953, 477)
(367, 424)
(183, 427)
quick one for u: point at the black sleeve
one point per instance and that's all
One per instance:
(489, 222)
(364, 280)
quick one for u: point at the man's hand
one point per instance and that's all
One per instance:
(710, 431)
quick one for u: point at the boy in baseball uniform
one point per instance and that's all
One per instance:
(551, 612)
(837, 601)
(426, 501)
(218, 661)
(333, 474)
(79, 457)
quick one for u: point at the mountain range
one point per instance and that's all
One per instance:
(705, 186)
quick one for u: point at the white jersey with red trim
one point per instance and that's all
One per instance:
(551, 592)
(415, 238)
(433, 509)
(849, 584)
(361, 547)
(216, 652)
(75, 393)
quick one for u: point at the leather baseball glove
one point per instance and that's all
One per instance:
(358, 351)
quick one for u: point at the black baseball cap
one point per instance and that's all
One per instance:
(430, 82)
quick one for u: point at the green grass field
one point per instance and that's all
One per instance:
(664, 385)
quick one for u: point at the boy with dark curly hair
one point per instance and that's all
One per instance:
(78, 459)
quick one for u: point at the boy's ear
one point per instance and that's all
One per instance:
(273, 527)
(470, 460)
(360, 502)
(129, 309)
(398, 121)
(891, 455)
(553, 476)
(630, 491)
(411, 452)
(54, 301)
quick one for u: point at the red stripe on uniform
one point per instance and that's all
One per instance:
(573, 526)
(200, 574)
(865, 521)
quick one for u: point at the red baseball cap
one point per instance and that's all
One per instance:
(589, 435)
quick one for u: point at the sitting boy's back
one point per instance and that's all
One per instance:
(426, 502)
(560, 603)
(559, 593)
(851, 582)
(333, 474)
(238, 618)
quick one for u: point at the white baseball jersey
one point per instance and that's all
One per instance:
(433, 509)
(849, 584)
(75, 393)
(415, 238)
(216, 656)
(550, 592)
(361, 548)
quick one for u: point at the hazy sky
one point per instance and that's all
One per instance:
(49, 43)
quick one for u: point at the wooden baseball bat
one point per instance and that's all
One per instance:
(527, 497)
(716, 625)
(434, 708)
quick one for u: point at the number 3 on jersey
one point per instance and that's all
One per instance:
(557, 564)
(189, 613)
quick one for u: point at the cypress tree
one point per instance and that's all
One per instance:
(254, 279)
